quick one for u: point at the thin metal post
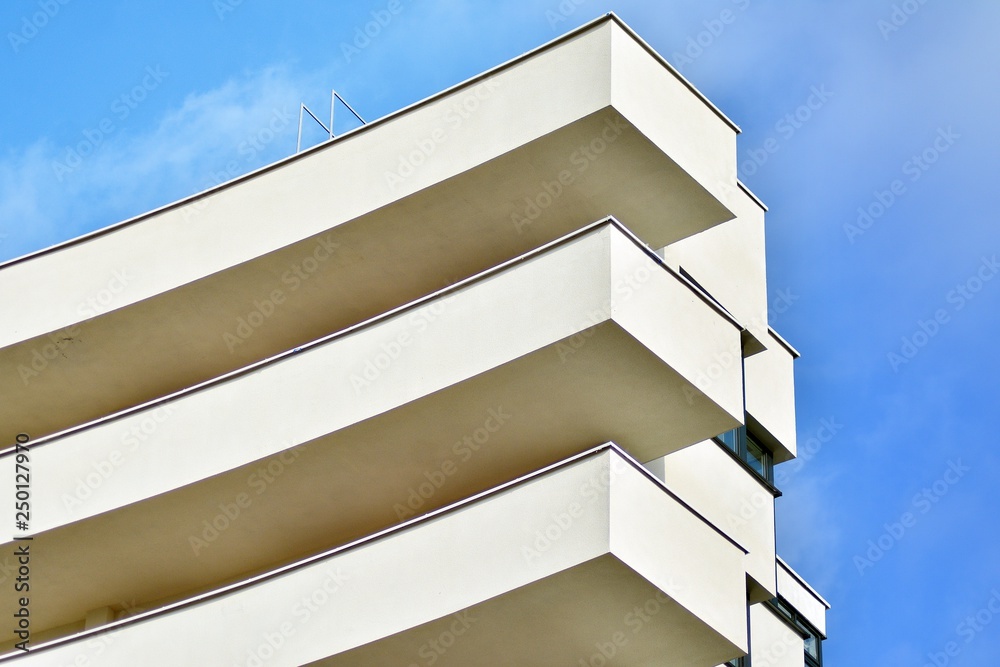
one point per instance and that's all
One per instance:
(303, 109)
(333, 104)
(298, 142)
(350, 108)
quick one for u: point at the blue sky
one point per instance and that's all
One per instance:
(882, 244)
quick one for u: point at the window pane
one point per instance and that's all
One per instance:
(757, 457)
(729, 439)
(812, 646)
(780, 604)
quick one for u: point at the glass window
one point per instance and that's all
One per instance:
(811, 640)
(750, 451)
(814, 649)
(783, 608)
(731, 439)
(759, 458)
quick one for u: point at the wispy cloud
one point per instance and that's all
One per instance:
(21, 201)
(211, 137)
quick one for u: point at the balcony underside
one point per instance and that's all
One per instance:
(366, 266)
(600, 612)
(506, 379)
(366, 477)
(612, 546)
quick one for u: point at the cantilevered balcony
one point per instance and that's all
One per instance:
(592, 124)
(770, 396)
(591, 556)
(803, 597)
(733, 498)
(587, 340)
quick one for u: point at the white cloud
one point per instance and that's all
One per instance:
(20, 200)
(47, 195)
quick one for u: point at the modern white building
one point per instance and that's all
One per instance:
(486, 382)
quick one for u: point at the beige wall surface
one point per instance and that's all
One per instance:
(802, 596)
(504, 543)
(773, 643)
(770, 397)
(731, 497)
(385, 214)
(464, 287)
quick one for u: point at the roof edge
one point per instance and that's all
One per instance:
(798, 577)
(757, 200)
(663, 61)
(377, 319)
(586, 27)
(784, 343)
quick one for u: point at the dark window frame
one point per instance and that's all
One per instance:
(738, 442)
(817, 661)
(805, 629)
